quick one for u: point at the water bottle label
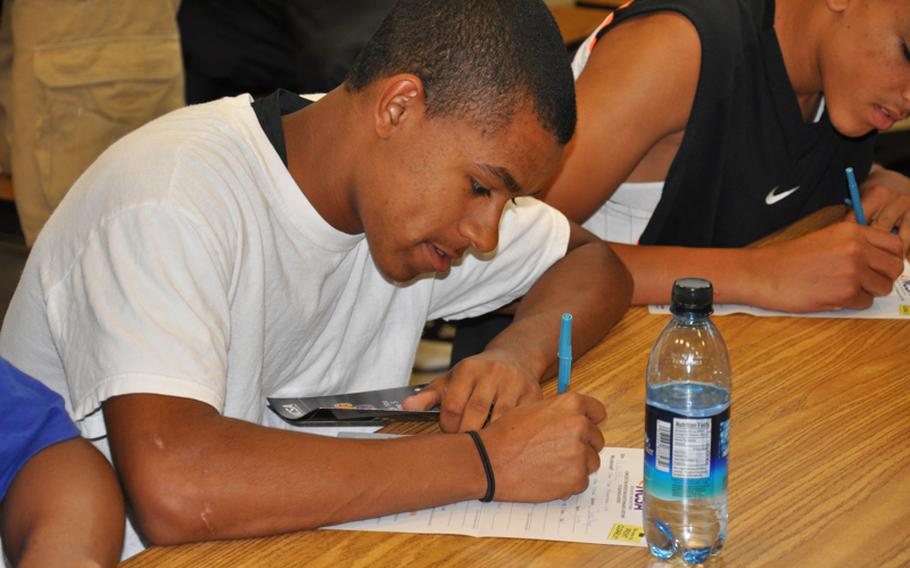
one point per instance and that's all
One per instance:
(686, 456)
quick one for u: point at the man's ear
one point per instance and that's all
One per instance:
(401, 97)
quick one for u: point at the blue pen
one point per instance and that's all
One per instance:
(854, 197)
(855, 200)
(565, 354)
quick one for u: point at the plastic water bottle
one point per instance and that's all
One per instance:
(687, 425)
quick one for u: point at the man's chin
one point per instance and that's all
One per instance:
(851, 128)
(856, 132)
(404, 274)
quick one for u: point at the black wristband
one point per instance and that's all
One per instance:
(487, 467)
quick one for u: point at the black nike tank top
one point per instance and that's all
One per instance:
(746, 146)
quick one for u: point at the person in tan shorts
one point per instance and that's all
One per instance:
(75, 77)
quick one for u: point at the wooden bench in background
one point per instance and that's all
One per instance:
(576, 23)
(6, 188)
(609, 4)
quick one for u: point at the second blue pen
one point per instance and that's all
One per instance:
(564, 353)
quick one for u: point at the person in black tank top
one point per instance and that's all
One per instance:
(749, 111)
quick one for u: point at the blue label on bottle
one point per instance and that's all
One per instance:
(686, 456)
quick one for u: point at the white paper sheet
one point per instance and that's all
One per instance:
(895, 305)
(608, 512)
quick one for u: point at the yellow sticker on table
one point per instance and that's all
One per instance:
(627, 533)
(905, 309)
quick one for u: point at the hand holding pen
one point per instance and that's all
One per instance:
(887, 202)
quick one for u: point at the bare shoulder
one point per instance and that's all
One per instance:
(661, 33)
(636, 90)
(656, 56)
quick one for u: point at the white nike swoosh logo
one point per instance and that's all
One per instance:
(773, 198)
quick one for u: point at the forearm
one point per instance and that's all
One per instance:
(590, 283)
(237, 479)
(64, 508)
(655, 268)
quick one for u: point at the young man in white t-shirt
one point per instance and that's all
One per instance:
(225, 253)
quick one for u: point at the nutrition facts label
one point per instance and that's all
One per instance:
(691, 448)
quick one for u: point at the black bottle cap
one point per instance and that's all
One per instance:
(692, 296)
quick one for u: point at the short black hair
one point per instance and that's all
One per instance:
(478, 59)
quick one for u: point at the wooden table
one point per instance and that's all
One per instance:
(819, 465)
(576, 24)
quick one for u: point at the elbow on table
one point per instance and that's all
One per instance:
(626, 283)
(620, 280)
(170, 509)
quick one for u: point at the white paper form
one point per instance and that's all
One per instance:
(607, 512)
(895, 305)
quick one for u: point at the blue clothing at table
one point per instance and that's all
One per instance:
(32, 418)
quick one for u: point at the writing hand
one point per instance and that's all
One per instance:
(844, 265)
(547, 449)
(886, 203)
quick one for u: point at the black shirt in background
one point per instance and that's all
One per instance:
(256, 46)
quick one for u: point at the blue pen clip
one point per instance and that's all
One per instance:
(564, 354)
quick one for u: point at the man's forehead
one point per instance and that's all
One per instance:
(518, 154)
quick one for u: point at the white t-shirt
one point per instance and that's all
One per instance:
(186, 262)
